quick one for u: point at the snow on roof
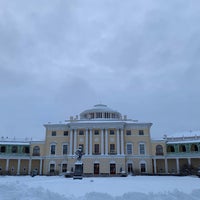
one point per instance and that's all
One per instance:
(14, 143)
(100, 120)
(185, 134)
(183, 141)
(99, 107)
(17, 141)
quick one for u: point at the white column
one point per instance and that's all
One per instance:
(189, 161)
(29, 166)
(71, 142)
(106, 142)
(7, 164)
(86, 142)
(75, 142)
(40, 166)
(122, 142)
(166, 166)
(177, 165)
(90, 141)
(155, 167)
(102, 142)
(118, 146)
(18, 166)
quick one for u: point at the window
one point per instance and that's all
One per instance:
(143, 167)
(194, 147)
(159, 150)
(26, 150)
(81, 132)
(53, 133)
(52, 168)
(182, 148)
(170, 149)
(96, 148)
(91, 116)
(112, 149)
(107, 115)
(141, 132)
(129, 149)
(14, 149)
(98, 115)
(64, 149)
(128, 132)
(96, 132)
(64, 167)
(112, 132)
(142, 148)
(53, 149)
(130, 168)
(65, 133)
(3, 149)
(36, 151)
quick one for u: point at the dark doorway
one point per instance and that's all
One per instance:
(96, 168)
(130, 168)
(112, 169)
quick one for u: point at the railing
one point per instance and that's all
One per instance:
(159, 153)
(14, 154)
(112, 153)
(35, 154)
(184, 152)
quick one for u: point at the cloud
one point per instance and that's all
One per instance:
(58, 58)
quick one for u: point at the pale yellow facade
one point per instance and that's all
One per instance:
(111, 144)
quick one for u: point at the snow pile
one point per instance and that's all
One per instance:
(60, 188)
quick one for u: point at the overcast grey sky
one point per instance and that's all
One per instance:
(58, 58)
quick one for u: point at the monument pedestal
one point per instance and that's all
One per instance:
(78, 171)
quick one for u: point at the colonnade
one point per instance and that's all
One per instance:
(104, 149)
(166, 170)
(13, 168)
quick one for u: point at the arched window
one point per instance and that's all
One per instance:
(194, 147)
(170, 149)
(182, 148)
(36, 151)
(14, 149)
(26, 150)
(3, 149)
(159, 150)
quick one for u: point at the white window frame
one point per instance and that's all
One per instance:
(127, 152)
(63, 163)
(63, 148)
(143, 162)
(140, 150)
(52, 144)
(129, 162)
(54, 163)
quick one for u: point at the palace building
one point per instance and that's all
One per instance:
(111, 144)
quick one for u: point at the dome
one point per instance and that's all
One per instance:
(100, 111)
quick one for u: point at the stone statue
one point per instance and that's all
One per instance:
(79, 153)
(78, 172)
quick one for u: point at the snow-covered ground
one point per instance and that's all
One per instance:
(127, 188)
